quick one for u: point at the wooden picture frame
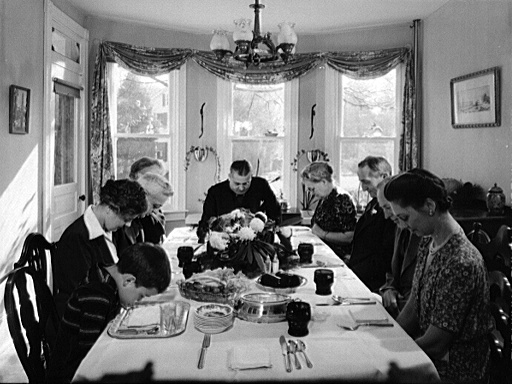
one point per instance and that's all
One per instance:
(475, 99)
(19, 109)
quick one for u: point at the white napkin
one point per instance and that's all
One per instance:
(146, 315)
(368, 314)
(249, 357)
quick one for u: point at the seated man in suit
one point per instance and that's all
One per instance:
(374, 235)
(240, 190)
(397, 288)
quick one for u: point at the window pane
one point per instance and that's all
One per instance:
(258, 110)
(142, 103)
(266, 157)
(65, 46)
(369, 106)
(352, 152)
(64, 156)
(131, 149)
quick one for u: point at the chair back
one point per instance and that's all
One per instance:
(501, 360)
(32, 320)
(498, 252)
(36, 253)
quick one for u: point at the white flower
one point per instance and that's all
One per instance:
(257, 225)
(246, 233)
(373, 212)
(262, 216)
(237, 214)
(286, 231)
(219, 240)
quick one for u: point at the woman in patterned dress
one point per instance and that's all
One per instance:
(448, 310)
(334, 219)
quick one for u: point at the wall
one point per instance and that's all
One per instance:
(461, 38)
(202, 86)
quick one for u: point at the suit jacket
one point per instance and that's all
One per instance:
(74, 255)
(372, 247)
(402, 264)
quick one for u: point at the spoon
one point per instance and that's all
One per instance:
(355, 326)
(338, 298)
(301, 347)
(293, 349)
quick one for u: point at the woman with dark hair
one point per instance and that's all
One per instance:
(448, 310)
(88, 240)
(334, 219)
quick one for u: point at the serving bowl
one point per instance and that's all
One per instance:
(264, 307)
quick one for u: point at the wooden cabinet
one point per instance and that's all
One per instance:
(490, 223)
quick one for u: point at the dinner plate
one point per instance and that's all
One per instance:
(283, 290)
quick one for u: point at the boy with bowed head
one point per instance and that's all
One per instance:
(448, 310)
(142, 270)
(88, 240)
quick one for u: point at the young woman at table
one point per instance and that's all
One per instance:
(334, 219)
(448, 310)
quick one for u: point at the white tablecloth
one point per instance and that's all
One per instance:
(364, 354)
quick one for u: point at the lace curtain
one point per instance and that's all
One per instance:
(157, 61)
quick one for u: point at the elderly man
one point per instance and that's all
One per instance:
(240, 190)
(374, 235)
(158, 190)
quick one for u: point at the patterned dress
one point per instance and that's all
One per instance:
(336, 213)
(453, 295)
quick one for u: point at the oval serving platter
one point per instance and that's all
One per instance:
(281, 290)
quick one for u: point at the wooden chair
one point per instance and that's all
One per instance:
(32, 320)
(498, 252)
(36, 253)
(501, 360)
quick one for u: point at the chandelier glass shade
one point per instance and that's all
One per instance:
(252, 47)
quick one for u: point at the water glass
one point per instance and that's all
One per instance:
(305, 251)
(185, 255)
(298, 315)
(166, 317)
(324, 278)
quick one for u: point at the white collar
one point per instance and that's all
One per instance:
(93, 225)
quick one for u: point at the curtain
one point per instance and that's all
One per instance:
(156, 61)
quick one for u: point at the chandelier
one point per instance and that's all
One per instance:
(252, 47)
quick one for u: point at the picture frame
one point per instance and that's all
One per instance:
(475, 99)
(19, 109)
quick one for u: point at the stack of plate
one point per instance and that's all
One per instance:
(213, 318)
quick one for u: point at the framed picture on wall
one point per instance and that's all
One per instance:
(475, 99)
(19, 108)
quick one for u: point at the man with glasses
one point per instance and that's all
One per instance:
(240, 190)
(374, 235)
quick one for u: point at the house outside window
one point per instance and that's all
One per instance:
(366, 120)
(145, 115)
(255, 123)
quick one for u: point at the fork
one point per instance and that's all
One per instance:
(355, 326)
(206, 344)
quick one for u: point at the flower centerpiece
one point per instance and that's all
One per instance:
(240, 240)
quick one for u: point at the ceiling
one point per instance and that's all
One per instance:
(310, 16)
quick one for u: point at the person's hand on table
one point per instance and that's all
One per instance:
(390, 301)
(319, 231)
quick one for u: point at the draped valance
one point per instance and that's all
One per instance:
(157, 61)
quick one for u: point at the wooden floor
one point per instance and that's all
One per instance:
(11, 370)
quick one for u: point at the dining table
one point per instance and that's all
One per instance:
(338, 354)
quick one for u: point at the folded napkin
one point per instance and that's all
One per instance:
(143, 316)
(248, 357)
(368, 314)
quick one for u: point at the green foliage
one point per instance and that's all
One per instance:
(134, 108)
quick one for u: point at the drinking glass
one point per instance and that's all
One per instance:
(298, 315)
(190, 268)
(185, 255)
(324, 279)
(166, 317)
(305, 251)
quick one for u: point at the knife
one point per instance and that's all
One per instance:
(284, 351)
(206, 344)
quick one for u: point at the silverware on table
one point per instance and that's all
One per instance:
(137, 331)
(301, 347)
(292, 348)
(206, 344)
(340, 298)
(370, 324)
(286, 355)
